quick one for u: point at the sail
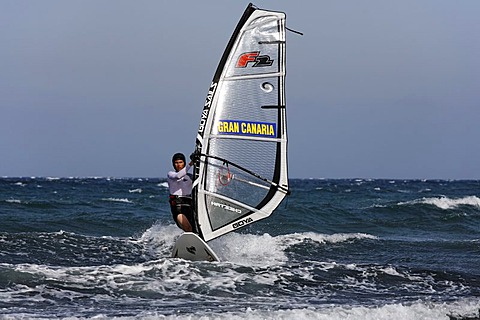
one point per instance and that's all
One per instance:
(242, 138)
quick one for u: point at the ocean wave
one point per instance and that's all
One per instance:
(163, 184)
(37, 203)
(296, 238)
(265, 249)
(427, 310)
(446, 203)
(418, 310)
(13, 201)
(124, 200)
(136, 190)
(250, 249)
(257, 272)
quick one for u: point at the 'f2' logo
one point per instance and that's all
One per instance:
(256, 58)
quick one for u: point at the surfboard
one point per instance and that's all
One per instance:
(190, 246)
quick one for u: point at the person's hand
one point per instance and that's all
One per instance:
(195, 156)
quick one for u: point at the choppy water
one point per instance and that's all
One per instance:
(99, 248)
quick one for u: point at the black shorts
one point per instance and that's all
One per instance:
(183, 205)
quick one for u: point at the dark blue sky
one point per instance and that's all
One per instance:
(375, 89)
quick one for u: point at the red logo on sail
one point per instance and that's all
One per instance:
(254, 57)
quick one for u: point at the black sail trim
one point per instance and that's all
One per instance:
(216, 78)
(248, 12)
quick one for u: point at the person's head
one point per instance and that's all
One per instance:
(178, 161)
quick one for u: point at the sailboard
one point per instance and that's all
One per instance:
(241, 174)
(190, 246)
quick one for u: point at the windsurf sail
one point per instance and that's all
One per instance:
(241, 176)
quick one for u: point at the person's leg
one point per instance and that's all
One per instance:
(183, 222)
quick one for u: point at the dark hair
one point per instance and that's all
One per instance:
(178, 156)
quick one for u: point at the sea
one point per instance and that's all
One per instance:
(99, 248)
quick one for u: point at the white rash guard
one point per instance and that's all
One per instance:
(180, 183)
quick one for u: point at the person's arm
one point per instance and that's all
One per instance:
(180, 174)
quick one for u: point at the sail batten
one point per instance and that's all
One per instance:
(240, 204)
(256, 76)
(242, 138)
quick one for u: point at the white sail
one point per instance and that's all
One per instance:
(242, 173)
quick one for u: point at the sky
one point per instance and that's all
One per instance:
(376, 89)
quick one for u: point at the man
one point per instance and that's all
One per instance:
(180, 186)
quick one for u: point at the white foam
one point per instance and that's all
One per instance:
(13, 201)
(391, 271)
(266, 250)
(243, 249)
(446, 203)
(419, 310)
(163, 184)
(324, 238)
(125, 200)
(136, 190)
(158, 240)
(249, 249)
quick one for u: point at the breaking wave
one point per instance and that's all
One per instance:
(446, 203)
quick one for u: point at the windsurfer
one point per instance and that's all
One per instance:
(180, 186)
